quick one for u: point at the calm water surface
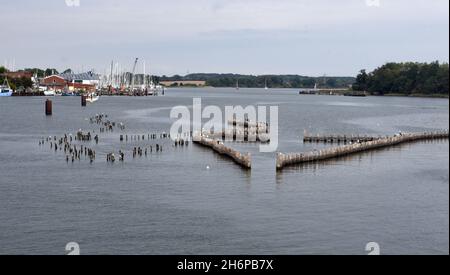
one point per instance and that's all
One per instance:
(169, 203)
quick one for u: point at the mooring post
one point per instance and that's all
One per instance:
(48, 107)
(83, 101)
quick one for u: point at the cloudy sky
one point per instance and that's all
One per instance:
(308, 37)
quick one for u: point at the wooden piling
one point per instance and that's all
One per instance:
(284, 160)
(248, 136)
(337, 138)
(83, 101)
(48, 107)
(243, 160)
(261, 127)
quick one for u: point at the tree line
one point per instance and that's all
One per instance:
(24, 82)
(410, 78)
(15, 83)
(272, 81)
(428, 79)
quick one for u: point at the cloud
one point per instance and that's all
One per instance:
(105, 29)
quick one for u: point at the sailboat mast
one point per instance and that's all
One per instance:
(145, 77)
(111, 74)
(132, 74)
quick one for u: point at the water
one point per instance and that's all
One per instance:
(170, 203)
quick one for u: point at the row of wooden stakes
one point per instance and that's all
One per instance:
(283, 160)
(243, 160)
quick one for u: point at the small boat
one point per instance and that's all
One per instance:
(92, 97)
(313, 91)
(5, 89)
(69, 94)
(154, 89)
(6, 92)
(49, 93)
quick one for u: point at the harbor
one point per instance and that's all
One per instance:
(243, 132)
(136, 172)
(120, 81)
(222, 128)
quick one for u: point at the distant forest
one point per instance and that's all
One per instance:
(427, 79)
(273, 81)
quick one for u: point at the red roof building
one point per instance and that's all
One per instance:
(59, 83)
(54, 82)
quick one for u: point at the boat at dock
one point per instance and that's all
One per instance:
(49, 93)
(92, 97)
(153, 88)
(313, 91)
(5, 89)
(69, 94)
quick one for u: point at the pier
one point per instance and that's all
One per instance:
(259, 127)
(284, 160)
(242, 131)
(307, 138)
(241, 136)
(244, 160)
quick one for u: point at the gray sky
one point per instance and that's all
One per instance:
(308, 37)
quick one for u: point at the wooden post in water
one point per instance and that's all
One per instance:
(48, 107)
(83, 101)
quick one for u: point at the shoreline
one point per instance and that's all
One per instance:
(322, 93)
(441, 96)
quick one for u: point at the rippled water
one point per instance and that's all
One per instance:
(169, 203)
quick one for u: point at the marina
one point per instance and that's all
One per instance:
(120, 81)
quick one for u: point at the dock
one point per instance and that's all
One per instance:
(244, 160)
(284, 160)
(259, 127)
(320, 138)
(240, 136)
